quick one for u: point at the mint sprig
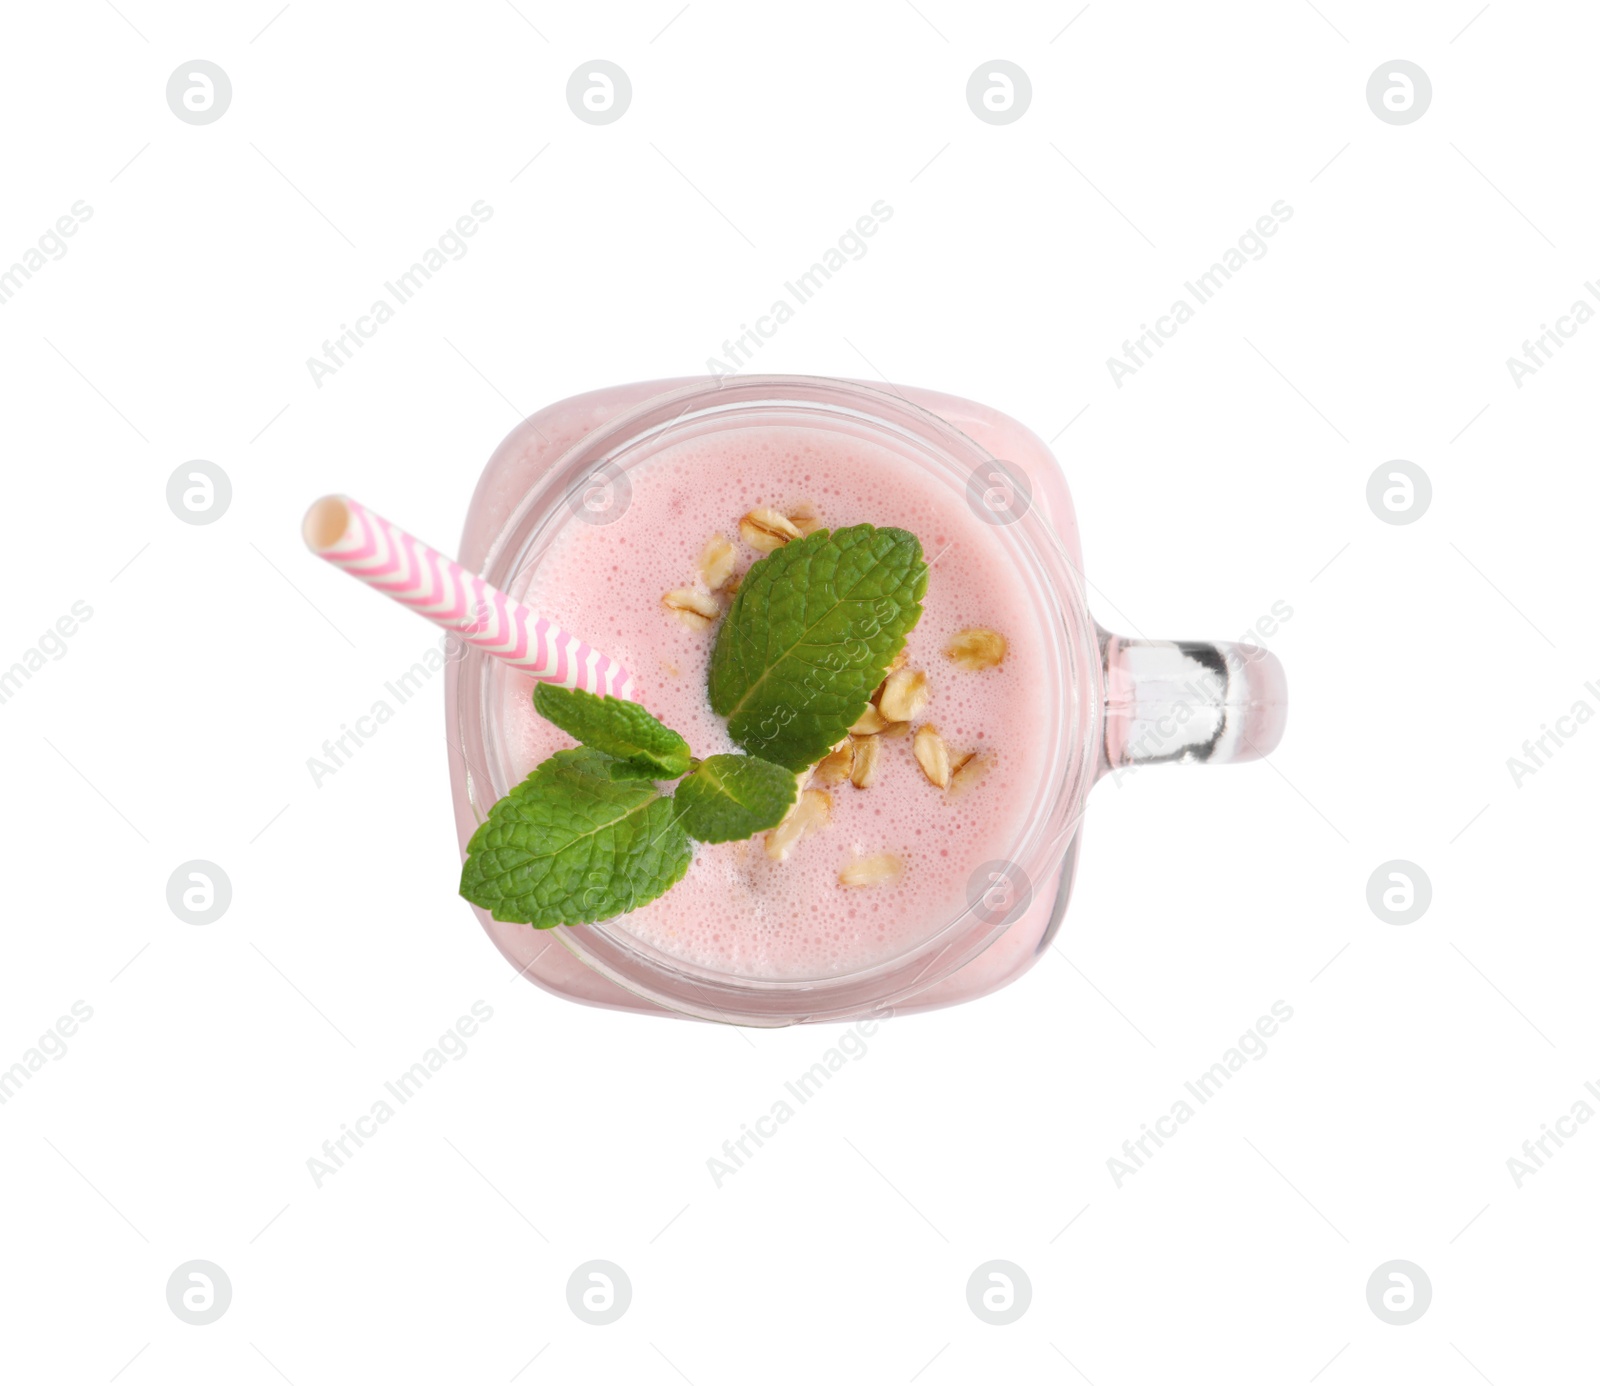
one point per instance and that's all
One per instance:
(589, 835)
(813, 629)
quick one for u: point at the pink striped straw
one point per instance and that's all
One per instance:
(384, 556)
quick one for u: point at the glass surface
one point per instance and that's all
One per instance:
(1115, 701)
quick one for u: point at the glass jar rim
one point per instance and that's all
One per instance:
(1071, 747)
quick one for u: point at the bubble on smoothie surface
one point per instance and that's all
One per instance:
(737, 912)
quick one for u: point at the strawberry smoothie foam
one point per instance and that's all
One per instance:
(737, 912)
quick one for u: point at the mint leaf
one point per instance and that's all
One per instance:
(810, 635)
(571, 845)
(619, 728)
(729, 798)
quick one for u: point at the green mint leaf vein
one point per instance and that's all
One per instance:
(621, 729)
(572, 845)
(809, 636)
(729, 798)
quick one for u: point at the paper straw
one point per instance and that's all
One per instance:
(401, 566)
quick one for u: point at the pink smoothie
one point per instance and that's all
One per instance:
(737, 912)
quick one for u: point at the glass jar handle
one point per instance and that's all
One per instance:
(1189, 700)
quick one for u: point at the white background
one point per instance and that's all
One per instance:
(1229, 474)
